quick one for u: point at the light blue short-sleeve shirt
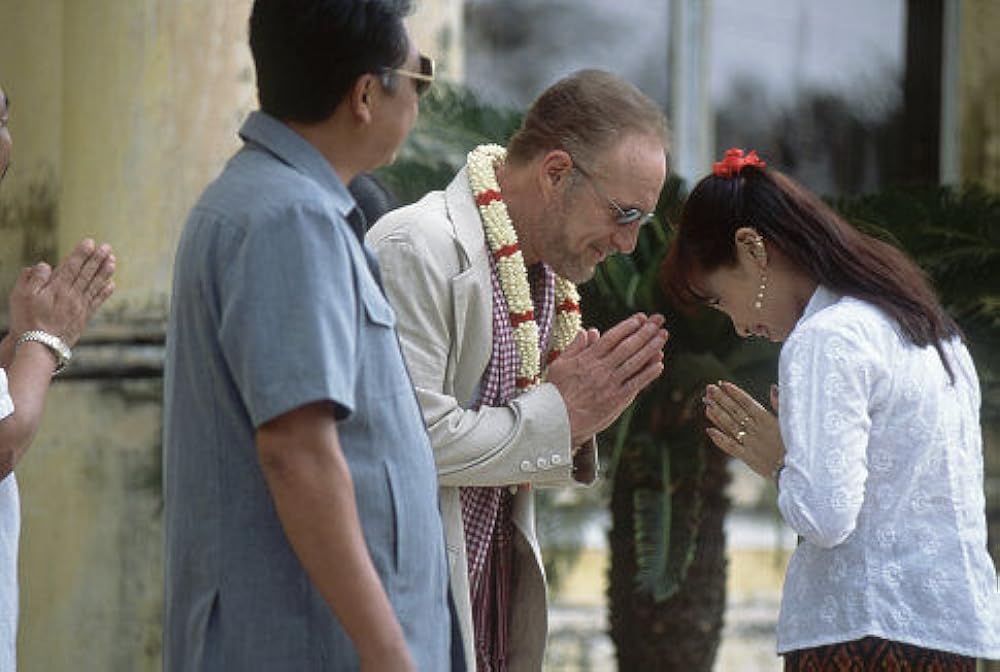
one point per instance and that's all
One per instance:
(277, 304)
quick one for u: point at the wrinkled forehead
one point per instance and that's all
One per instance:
(632, 152)
(636, 166)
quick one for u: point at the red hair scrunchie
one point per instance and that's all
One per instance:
(734, 160)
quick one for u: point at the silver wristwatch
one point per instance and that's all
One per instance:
(61, 351)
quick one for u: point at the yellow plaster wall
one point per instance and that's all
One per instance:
(979, 82)
(151, 110)
(91, 562)
(31, 74)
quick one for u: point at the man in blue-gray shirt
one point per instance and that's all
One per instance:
(302, 529)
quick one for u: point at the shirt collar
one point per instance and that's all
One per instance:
(277, 138)
(821, 298)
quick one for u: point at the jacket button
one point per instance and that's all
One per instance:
(526, 465)
(557, 459)
(542, 463)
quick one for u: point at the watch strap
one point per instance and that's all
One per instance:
(59, 348)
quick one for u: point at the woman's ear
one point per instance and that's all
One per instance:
(750, 242)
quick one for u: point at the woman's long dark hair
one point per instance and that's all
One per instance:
(812, 236)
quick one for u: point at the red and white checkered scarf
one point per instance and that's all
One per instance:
(486, 511)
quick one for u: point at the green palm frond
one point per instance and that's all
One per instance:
(653, 513)
(954, 234)
(667, 515)
(452, 121)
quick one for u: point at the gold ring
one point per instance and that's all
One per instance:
(740, 435)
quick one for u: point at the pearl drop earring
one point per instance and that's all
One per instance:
(759, 302)
(759, 253)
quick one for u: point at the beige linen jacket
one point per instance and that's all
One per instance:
(436, 273)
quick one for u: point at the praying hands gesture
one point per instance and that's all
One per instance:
(598, 375)
(61, 301)
(58, 302)
(744, 428)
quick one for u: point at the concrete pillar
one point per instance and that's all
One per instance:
(691, 116)
(154, 92)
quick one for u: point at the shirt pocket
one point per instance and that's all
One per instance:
(382, 371)
(397, 516)
(378, 311)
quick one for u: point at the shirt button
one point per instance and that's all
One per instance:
(542, 463)
(557, 459)
(526, 465)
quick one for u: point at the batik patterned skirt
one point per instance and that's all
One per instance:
(872, 654)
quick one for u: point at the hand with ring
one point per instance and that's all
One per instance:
(743, 428)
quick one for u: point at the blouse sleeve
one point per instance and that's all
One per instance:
(826, 377)
(6, 403)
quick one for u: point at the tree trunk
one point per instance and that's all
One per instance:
(681, 633)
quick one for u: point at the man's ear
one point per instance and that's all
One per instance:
(362, 97)
(751, 243)
(554, 170)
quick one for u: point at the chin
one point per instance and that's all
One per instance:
(577, 276)
(389, 160)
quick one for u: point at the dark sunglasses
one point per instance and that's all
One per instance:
(421, 80)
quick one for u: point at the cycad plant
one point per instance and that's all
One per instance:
(452, 122)
(954, 234)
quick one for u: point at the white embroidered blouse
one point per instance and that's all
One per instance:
(883, 481)
(6, 403)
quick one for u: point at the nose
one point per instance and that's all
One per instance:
(625, 238)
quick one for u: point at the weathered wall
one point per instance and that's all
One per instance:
(91, 563)
(979, 82)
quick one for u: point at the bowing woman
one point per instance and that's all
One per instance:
(878, 452)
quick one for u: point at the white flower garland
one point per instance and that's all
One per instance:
(502, 240)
